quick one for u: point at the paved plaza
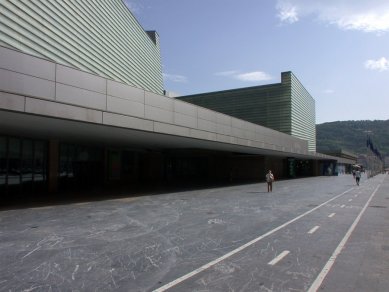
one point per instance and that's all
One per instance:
(321, 233)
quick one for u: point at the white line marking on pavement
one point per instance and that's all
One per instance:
(350, 200)
(313, 230)
(34, 250)
(278, 258)
(320, 278)
(231, 253)
(343, 206)
(331, 215)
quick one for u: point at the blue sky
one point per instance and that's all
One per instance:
(338, 49)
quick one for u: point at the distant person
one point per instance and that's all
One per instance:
(357, 176)
(269, 180)
(354, 173)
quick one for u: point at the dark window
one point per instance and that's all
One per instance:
(14, 165)
(80, 166)
(23, 165)
(3, 164)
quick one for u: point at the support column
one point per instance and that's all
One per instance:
(316, 167)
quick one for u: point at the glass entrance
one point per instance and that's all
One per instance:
(23, 166)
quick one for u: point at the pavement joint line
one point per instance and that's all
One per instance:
(313, 230)
(278, 258)
(242, 247)
(331, 215)
(326, 269)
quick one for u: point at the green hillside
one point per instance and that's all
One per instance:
(352, 135)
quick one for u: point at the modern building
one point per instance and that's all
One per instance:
(342, 167)
(99, 37)
(286, 107)
(82, 105)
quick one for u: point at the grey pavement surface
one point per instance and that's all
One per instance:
(237, 238)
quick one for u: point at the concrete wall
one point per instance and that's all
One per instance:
(36, 86)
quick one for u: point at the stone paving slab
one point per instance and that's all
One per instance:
(142, 243)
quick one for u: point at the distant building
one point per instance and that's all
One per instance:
(286, 107)
(347, 159)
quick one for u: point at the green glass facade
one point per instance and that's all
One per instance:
(303, 119)
(100, 37)
(286, 107)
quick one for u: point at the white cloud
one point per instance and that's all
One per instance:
(253, 76)
(329, 91)
(226, 73)
(381, 64)
(249, 76)
(368, 22)
(362, 15)
(287, 13)
(175, 78)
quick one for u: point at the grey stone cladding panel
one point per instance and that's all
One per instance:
(12, 102)
(54, 109)
(26, 64)
(80, 79)
(82, 97)
(26, 85)
(125, 106)
(125, 91)
(159, 101)
(127, 122)
(158, 114)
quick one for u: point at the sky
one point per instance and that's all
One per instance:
(338, 49)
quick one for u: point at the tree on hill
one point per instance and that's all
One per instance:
(352, 136)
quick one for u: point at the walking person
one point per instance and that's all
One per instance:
(269, 180)
(357, 176)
